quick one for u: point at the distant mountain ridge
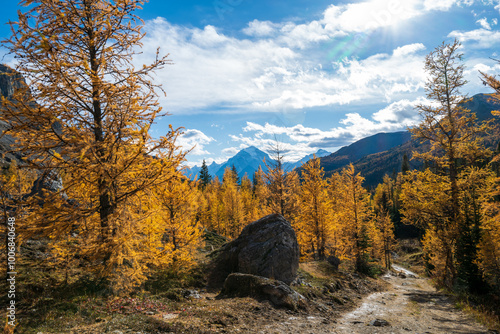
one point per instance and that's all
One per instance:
(247, 161)
(373, 156)
(370, 145)
(375, 165)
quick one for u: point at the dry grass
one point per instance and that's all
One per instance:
(485, 309)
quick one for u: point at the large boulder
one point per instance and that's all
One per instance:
(267, 247)
(262, 288)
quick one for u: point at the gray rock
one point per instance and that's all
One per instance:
(10, 81)
(192, 294)
(334, 261)
(267, 247)
(262, 288)
(379, 323)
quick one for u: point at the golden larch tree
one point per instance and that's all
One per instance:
(453, 134)
(314, 224)
(232, 204)
(178, 204)
(89, 125)
(354, 217)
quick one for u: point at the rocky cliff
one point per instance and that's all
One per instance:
(10, 80)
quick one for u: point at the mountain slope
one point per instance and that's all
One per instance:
(319, 154)
(374, 166)
(246, 161)
(366, 146)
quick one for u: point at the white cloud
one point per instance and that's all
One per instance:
(260, 28)
(408, 49)
(439, 4)
(401, 112)
(480, 38)
(445, 5)
(278, 66)
(484, 23)
(194, 140)
(301, 140)
(210, 68)
(265, 74)
(208, 37)
(369, 15)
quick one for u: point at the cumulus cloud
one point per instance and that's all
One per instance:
(302, 140)
(194, 140)
(409, 49)
(210, 69)
(484, 23)
(260, 28)
(277, 66)
(444, 5)
(369, 15)
(479, 38)
(401, 113)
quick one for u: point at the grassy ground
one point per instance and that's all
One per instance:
(50, 301)
(163, 305)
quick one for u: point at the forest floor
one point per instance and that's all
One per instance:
(401, 302)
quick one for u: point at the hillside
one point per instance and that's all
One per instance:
(383, 153)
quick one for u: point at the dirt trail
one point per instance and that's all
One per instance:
(410, 305)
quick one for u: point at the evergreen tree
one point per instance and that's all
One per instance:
(235, 173)
(405, 166)
(205, 176)
(276, 181)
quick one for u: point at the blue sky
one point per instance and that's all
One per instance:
(312, 74)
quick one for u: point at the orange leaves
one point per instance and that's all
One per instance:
(77, 56)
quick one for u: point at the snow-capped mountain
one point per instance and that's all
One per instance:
(247, 161)
(320, 154)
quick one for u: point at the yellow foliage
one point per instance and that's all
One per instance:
(89, 124)
(354, 215)
(180, 232)
(314, 224)
(489, 246)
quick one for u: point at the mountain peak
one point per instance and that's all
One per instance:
(253, 151)
(321, 153)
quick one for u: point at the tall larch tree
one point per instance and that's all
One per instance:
(232, 204)
(452, 132)
(89, 125)
(355, 215)
(314, 225)
(260, 192)
(489, 247)
(177, 203)
(383, 205)
(250, 209)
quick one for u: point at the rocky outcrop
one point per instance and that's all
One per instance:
(262, 288)
(10, 81)
(267, 247)
(334, 261)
